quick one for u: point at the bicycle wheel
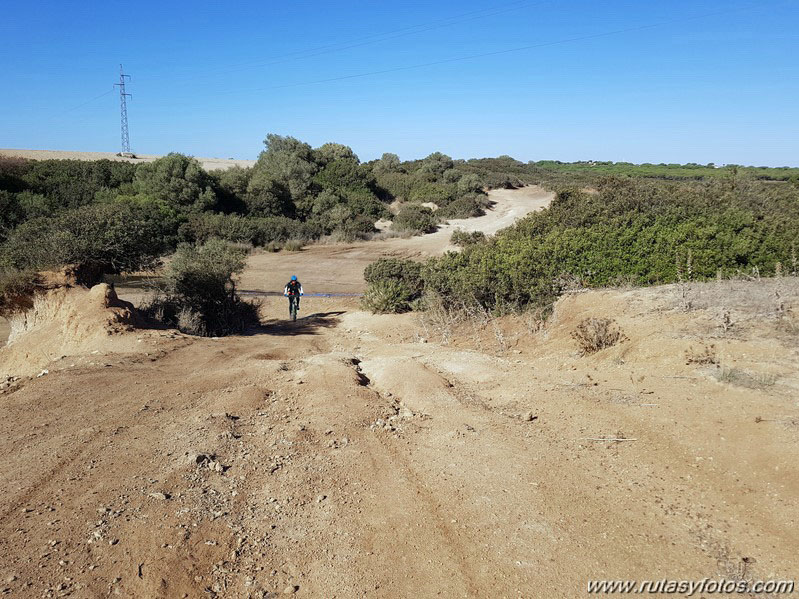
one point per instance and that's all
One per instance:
(293, 309)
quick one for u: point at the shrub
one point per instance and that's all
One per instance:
(436, 164)
(293, 245)
(178, 180)
(267, 197)
(395, 185)
(594, 334)
(11, 213)
(199, 292)
(469, 183)
(438, 193)
(408, 272)
(287, 161)
(628, 229)
(199, 228)
(387, 297)
(109, 238)
(463, 238)
(74, 183)
(464, 207)
(392, 285)
(415, 219)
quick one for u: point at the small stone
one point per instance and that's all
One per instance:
(291, 589)
(160, 496)
(113, 541)
(11, 579)
(320, 498)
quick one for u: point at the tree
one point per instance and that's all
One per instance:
(388, 163)
(332, 151)
(177, 179)
(267, 197)
(107, 238)
(231, 185)
(435, 164)
(11, 213)
(416, 219)
(469, 183)
(289, 162)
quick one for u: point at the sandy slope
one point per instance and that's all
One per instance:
(354, 455)
(208, 163)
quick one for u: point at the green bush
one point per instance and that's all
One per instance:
(637, 230)
(268, 197)
(74, 183)
(464, 207)
(199, 228)
(259, 232)
(287, 161)
(463, 238)
(387, 297)
(440, 194)
(469, 183)
(178, 180)
(110, 238)
(11, 213)
(199, 291)
(394, 185)
(416, 219)
(392, 285)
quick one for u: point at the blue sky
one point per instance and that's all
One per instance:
(678, 81)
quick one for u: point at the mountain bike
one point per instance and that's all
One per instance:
(294, 301)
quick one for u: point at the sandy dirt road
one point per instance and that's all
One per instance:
(355, 455)
(339, 268)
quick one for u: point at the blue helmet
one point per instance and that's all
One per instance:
(293, 277)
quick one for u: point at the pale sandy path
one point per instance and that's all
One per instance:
(339, 268)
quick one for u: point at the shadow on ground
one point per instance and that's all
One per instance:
(306, 325)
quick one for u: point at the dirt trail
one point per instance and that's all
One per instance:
(339, 268)
(354, 455)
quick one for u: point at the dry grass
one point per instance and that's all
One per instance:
(595, 334)
(742, 378)
(706, 354)
(293, 245)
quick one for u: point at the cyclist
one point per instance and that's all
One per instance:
(293, 291)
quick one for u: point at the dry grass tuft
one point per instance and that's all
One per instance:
(742, 378)
(594, 334)
(706, 354)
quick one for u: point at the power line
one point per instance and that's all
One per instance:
(86, 102)
(363, 41)
(496, 52)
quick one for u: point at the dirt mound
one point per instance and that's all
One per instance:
(68, 321)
